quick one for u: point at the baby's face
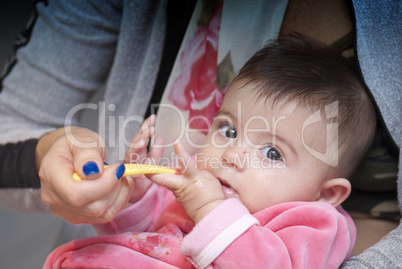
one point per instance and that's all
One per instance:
(259, 154)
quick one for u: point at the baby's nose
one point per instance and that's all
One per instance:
(235, 157)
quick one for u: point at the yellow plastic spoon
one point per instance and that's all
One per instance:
(138, 169)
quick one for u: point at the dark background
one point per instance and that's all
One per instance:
(14, 15)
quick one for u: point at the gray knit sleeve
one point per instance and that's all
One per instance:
(386, 253)
(67, 58)
(380, 60)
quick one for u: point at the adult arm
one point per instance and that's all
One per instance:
(376, 25)
(66, 59)
(387, 252)
(18, 167)
(19, 184)
(384, 254)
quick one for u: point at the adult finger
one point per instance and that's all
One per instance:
(82, 192)
(101, 210)
(106, 209)
(89, 155)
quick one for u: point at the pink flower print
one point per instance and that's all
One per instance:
(151, 244)
(195, 88)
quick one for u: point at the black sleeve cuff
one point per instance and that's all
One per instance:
(18, 165)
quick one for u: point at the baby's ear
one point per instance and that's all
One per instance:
(335, 191)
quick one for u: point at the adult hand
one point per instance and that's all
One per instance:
(99, 195)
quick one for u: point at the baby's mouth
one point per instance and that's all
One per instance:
(228, 191)
(223, 183)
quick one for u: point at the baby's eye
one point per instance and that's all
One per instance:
(227, 131)
(272, 153)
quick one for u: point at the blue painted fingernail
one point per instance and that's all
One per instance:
(105, 163)
(90, 168)
(120, 171)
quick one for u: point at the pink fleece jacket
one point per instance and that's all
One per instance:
(156, 233)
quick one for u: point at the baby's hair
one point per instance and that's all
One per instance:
(296, 68)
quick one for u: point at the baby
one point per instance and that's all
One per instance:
(264, 191)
